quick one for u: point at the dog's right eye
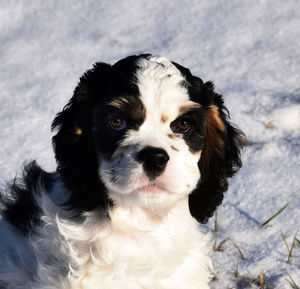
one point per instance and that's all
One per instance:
(182, 125)
(117, 123)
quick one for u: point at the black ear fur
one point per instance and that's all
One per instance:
(74, 146)
(220, 158)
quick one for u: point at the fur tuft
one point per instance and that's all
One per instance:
(19, 206)
(144, 150)
(220, 158)
(73, 144)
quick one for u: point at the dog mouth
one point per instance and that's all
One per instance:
(152, 187)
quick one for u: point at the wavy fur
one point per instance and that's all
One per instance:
(144, 150)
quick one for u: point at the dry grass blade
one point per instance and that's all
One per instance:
(276, 214)
(237, 269)
(292, 247)
(261, 280)
(284, 239)
(269, 124)
(290, 250)
(240, 251)
(216, 228)
(219, 248)
(217, 236)
(294, 283)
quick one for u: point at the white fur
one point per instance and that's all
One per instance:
(162, 94)
(149, 240)
(135, 248)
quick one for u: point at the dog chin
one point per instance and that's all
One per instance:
(138, 190)
(152, 187)
(152, 195)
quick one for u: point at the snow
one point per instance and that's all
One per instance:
(250, 49)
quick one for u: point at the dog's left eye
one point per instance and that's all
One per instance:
(117, 123)
(184, 125)
(181, 125)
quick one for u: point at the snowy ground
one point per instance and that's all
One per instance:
(250, 49)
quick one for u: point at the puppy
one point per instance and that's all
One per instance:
(144, 150)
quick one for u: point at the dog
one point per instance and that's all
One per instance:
(144, 150)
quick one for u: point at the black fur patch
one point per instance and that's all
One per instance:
(194, 137)
(216, 164)
(77, 154)
(83, 134)
(19, 206)
(132, 112)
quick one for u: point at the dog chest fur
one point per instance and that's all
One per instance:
(139, 249)
(144, 150)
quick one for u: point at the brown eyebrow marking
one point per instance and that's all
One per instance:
(172, 136)
(164, 118)
(118, 102)
(187, 107)
(130, 105)
(174, 148)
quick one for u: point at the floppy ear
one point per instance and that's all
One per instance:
(74, 145)
(220, 158)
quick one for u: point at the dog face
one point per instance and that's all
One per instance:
(156, 138)
(145, 132)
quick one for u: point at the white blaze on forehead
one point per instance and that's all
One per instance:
(165, 98)
(161, 88)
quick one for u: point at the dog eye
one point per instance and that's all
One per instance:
(117, 123)
(184, 125)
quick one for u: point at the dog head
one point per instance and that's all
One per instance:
(145, 132)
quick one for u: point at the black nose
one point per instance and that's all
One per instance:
(154, 161)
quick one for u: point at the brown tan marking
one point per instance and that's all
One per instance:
(135, 109)
(212, 113)
(174, 148)
(118, 102)
(164, 118)
(172, 136)
(213, 149)
(197, 154)
(137, 112)
(78, 131)
(214, 128)
(187, 107)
